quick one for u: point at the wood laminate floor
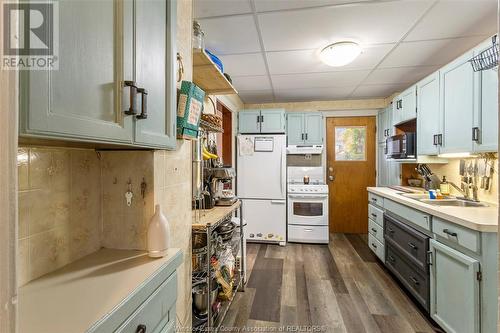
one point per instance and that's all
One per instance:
(340, 287)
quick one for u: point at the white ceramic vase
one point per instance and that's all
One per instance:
(158, 234)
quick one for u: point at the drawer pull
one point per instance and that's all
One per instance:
(308, 230)
(392, 259)
(391, 230)
(374, 215)
(374, 199)
(141, 329)
(415, 281)
(451, 233)
(374, 230)
(374, 245)
(413, 246)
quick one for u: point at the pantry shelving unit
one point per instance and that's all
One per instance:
(208, 76)
(206, 222)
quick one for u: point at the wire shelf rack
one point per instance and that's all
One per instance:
(486, 59)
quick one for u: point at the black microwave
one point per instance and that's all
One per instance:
(402, 146)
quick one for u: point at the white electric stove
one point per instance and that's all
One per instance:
(307, 205)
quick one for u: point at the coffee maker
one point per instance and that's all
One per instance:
(221, 180)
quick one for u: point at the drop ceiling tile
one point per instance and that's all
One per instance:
(209, 8)
(371, 23)
(244, 64)
(377, 90)
(256, 96)
(267, 5)
(318, 80)
(429, 53)
(399, 75)
(232, 34)
(457, 18)
(308, 94)
(304, 61)
(260, 82)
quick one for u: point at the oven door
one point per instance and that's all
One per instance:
(308, 209)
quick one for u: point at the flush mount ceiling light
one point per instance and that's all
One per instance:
(340, 54)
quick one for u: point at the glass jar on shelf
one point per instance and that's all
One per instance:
(198, 37)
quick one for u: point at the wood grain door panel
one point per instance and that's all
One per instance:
(348, 195)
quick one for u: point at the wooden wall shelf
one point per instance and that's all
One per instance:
(208, 77)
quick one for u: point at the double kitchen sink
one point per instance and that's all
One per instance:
(447, 201)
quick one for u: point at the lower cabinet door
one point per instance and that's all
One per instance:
(454, 290)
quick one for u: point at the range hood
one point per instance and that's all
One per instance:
(304, 150)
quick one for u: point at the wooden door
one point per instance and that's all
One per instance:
(156, 72)
(84, 99)
(351, 169)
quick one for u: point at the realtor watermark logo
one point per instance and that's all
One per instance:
(30, 35)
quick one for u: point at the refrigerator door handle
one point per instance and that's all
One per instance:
(278, 202)
(282, 163)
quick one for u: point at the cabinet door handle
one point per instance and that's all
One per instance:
(133, 96)
(413, 246)
(475, 134)
(302, 136)
(440, 139)
(261, 119)
(258, 119)
(435, 141)
(451, 233)
(415, 281)
(374, 230)
(306, 136)
(144, 103)
(141, 329)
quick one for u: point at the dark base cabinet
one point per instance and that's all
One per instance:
(406, 257)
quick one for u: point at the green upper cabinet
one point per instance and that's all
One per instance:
(295, 128)
(155, 42)
(85, 99)
(384, 125)
(405, 106)
(82, 99)
(313, 128)
(457, 105)
(485, 129)
(266, 121)
(455, 302)
(305, 128)
(249, 121)
(272, 121)
(428, 121)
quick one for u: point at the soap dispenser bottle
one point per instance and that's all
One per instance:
(158, 234)
(444, 186)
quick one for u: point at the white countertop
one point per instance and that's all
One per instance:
(484, 219)
(76, 296)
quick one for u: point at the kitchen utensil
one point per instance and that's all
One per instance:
(462, 168)
(200, 296)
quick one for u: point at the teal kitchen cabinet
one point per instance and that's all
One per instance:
(388, 172)
(485, 128)
(272, 121)
(457, 105)
(249, 121)
(295, 128)
(305, 128)
(428, 120)
(154, 40)
(268, 121)
(455, 303)
(86, 99)
(384, 125)
(405, 106)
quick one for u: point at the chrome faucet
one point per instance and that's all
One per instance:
(468, 185)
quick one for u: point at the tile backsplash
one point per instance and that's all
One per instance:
(59, 208)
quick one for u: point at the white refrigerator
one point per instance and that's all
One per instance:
(261, 186)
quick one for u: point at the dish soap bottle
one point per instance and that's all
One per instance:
(444, 186)
(158, 234)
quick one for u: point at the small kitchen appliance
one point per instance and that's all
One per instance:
(307, 205)
(221, 185)
(401, 146)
